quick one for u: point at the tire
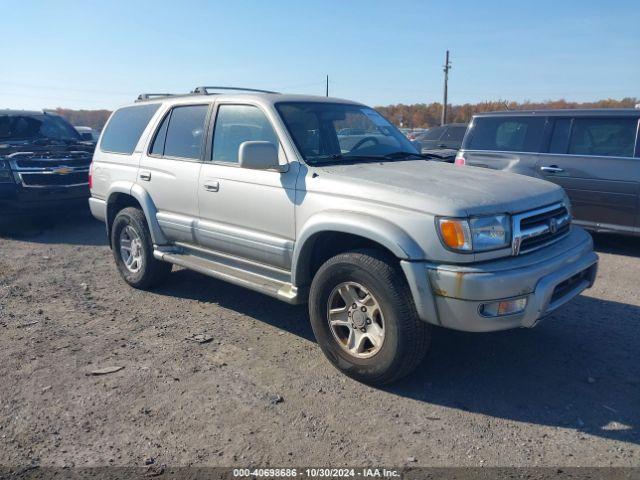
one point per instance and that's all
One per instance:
(405, 338)
(147, 272)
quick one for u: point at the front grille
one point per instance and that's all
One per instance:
(51, 169)
(54, 180)
(541, 227)
(53, 162)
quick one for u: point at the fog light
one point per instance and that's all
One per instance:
(504, 307)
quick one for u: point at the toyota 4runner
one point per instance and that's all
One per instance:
(259, 189)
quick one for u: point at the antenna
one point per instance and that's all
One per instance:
(327, 89)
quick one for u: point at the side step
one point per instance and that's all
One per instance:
(222, 269)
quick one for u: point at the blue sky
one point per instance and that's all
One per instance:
(91, 54)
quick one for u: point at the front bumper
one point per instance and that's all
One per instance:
(452, 295)
(18, 200)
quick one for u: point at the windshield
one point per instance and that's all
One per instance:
(332, 132)
(32, 127)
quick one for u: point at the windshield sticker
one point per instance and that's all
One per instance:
(375, 117)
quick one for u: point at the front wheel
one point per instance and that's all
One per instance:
(133, 250)
(364, 318)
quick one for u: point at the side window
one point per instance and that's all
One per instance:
(236, 124)
(125, 127)
(185, 131)
(560, 136)
(158, 143)
(510, 134)
(608, 137)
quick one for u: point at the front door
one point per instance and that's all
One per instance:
(170, 170)
(246, 213)
(593, 160)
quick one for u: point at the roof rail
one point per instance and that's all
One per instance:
(205, 90)
(150, 96)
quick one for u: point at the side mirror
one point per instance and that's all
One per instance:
(417, 145)
(259, 156)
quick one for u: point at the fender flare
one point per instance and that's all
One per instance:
(148, 207)
(377, 229)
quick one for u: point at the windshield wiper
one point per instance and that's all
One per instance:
(404, 155)
(339, 157)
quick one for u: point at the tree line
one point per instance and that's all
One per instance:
(423, 115)
(84, 118)
(419, 115)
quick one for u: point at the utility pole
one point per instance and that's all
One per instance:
(447, 67)
(327, 89)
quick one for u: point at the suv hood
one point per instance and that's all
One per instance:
(435, 187)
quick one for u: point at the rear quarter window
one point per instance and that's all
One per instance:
(125, 127)
(603, 137)
(507, 134)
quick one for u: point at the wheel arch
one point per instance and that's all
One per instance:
(336, 232)
(125, 194)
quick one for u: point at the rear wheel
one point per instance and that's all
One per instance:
(133, 250)
(364, 318)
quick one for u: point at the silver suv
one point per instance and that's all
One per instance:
(267, 191)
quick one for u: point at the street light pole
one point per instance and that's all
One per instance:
(447, 67)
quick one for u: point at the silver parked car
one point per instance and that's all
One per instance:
(593, 154)
(88, 134)
(257, 189)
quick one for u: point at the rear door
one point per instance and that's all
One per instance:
(170, 168)
(592, 158)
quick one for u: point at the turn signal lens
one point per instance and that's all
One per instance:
(455, 234)
(505, 307)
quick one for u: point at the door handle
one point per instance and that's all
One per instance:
(212, 186)
(146, 176)
(552, 169)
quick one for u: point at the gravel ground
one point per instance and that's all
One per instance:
(261, 392)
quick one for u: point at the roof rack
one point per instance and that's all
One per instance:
(205, 90)
(150, 96)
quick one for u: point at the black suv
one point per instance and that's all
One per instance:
(44, 164)
(443, 141)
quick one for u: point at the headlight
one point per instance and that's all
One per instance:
(476, 234)
(5, 172)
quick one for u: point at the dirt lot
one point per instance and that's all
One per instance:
(261, 393)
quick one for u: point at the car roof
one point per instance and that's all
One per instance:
(7, 111)
(574, 112)
(259, 98)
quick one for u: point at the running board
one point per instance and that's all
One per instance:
(238, 276)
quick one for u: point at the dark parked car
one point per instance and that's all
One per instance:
(443, 141)
(593, 154)
(44, 164)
